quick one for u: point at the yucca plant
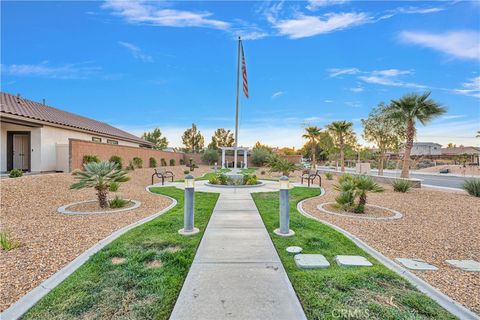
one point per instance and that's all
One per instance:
(99, 176)
(329, 175)
(6, 241)
(472, 186)
(401, 185)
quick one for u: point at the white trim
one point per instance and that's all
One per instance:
(396, 214)
(20, 307)
(63, 209)
(443, 300)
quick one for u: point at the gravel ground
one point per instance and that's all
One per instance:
(436, 226)
(50, 240)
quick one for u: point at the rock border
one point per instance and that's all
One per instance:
(442, 299)
(231, 186)
(19, 308)
(396, 214)
(63, 209)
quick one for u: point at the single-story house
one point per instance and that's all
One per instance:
(35, 137)
(473, 153)
(426, 149)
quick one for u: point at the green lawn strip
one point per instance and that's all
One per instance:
(368, 293)
(248, 170)
(133, 290)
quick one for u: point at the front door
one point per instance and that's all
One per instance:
(21, 154)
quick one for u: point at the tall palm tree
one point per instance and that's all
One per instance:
(340, 130)
(409, 109)
(313, 135)
(99, 176)
(478, 134)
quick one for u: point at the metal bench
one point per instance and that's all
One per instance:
(310, 176)
(162, 174)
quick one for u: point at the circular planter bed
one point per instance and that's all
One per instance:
(91, 207)
(372, 212)
(259, 184)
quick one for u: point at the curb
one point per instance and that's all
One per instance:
(443, 300)
(19, 308)
(396, 214)
(63, 209)
(444, 188)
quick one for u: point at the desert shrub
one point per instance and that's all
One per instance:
(262, 172)
(152, 162)
(210, 156)
(223, 179)
(117, 160)
(163, 162)
(182, 162)
(15, 173)
(260, 156)
(278, 164)
(472, 186)
(329, 175)
(214, 180)
(137, 162)
(117, 202)
(113, 187)
(90, 158)
(172, 162)
(186, 171)
(352, 188)
(250, 179)
(130, 166)
(6, 241)
(401, 185)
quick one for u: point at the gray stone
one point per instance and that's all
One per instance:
(416, 264)
(311, 261)
(466, 265)
(294, 249)
(352, 261)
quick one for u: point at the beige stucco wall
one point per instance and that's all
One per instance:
(44, 142)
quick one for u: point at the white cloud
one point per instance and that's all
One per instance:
(390, 72)
(410, 10)
(44, 69)
(315, 4)
(453, 116)
(335, 72)
(154, 13)
(459, 44)
(357, 89)
(459, 132)
(136, 51)
(306, 26)
(278, 94)
(328, 101)
(470, 88)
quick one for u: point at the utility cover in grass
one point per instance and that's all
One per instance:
(294, 249)
(466, 265)
(352, 261)
(416, 264)
(311, 261)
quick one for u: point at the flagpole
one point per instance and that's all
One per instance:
(236, 110)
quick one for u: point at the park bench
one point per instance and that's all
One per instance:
(162, 174)
(310, 176)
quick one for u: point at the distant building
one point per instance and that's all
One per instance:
(472, 152)
(426, 149)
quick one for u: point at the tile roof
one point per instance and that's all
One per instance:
(460, 150)
(10, 104)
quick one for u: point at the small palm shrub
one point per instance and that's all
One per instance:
(278, 164)
(113, 187)
(99, 176)
(163, 162)
(137, 162)
(472, 186)
(186, 171)
(152, 162)
(90, 158)
(6, 241)
(353, 188)
(401, 185)
(182, 162)
(172, 162)
(117, 160)
(15, 173)
(117, 202)
(329, 175)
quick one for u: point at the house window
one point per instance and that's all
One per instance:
(95, 139)
(112, 141)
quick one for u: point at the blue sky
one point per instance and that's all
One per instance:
(140, 65)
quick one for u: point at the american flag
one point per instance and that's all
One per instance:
(244, 73)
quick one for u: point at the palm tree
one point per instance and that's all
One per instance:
(313, 135)
(408, 109)
(99, 176)
(363, 185)
(478, 134)
(340, 130)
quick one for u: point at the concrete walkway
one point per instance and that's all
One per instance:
(236, 273)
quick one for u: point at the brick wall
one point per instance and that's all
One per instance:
(79, 148)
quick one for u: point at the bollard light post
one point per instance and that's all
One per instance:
(188, 227)
(284, 229)
(215, 166)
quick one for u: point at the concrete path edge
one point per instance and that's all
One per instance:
(443, 300)
(19, 308)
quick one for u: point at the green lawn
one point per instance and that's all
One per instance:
(132, 290)
(248, 170)
(367, 293)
